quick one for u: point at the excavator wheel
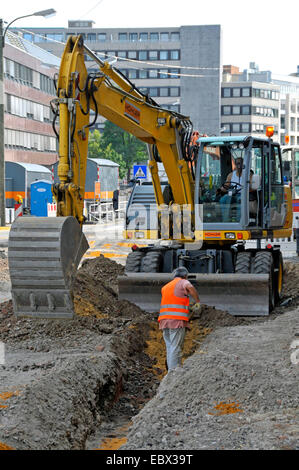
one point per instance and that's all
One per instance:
(243, 263)
(151, 262)
(263, 264)
(133, 262)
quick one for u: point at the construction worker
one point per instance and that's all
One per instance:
(175, 315)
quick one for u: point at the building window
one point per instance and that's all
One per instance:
(226, 92)
(283, 122)
(175, 36)
(163, 55)
(28, 37)
(132, 73)
(236, 127)
(163, 73)
(236, 92)
(132, 55)
(54, 37)
(225, 128)
(226, 110)
(122, 36)
(142, 74)
(133, 37)
(111, 54)
(102, 37)
(236, 110)
(92, 37)
(122, 54)
(153, 91)
(164, 37)
(143, 37)
(164, 91)
(174, 73)
(39, 38)
(142, 55)
(154, 36)
(246, 128)
(153, 73)
(174, 91)
(245, 92)
(153, 55)
(245, 110)
(175, 55)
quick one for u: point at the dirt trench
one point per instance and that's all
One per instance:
(77, 384)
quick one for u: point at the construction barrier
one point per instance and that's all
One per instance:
(52, 210)
(18, 210)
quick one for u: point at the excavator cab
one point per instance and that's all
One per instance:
(239, 183)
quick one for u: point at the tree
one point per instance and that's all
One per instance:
(97, 149)
(127, 145)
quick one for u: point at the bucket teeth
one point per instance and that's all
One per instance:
(43, 256)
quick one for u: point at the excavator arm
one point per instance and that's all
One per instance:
(44, 253)
(109, 94)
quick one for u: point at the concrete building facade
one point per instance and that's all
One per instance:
(28, 90)
(286, 87)
(180, 68)
(249, 107)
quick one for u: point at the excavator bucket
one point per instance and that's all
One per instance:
(43, 256)
(238, 294)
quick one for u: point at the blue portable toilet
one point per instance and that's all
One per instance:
(41, 196)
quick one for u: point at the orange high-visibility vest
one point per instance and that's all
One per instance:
(172, 307)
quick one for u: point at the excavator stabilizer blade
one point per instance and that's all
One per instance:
(43, 256)
(238, 294)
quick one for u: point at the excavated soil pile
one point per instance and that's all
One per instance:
(63, 379)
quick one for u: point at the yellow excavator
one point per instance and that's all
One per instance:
(221, 193)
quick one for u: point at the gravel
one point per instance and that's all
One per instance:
(239, 391)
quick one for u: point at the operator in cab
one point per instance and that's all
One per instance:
(231, 189)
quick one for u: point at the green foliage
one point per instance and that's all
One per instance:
(98, 149)
(128, 146)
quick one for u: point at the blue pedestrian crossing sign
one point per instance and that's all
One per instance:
(140, 171)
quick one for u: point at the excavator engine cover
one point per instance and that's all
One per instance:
(43, 256)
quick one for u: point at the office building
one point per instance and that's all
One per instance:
(28, 90)
(180, 68)
(278, 100)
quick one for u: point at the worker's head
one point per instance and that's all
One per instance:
(239, 163)
(181, 272)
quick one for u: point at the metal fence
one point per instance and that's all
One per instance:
(103, 212)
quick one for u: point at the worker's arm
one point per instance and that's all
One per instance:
(193, 292)
(223, 188)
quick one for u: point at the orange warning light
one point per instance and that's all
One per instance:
(269, 131)
(287, 139)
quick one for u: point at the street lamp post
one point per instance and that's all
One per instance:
(44, 13)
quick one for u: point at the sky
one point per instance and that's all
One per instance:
(260, 31)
